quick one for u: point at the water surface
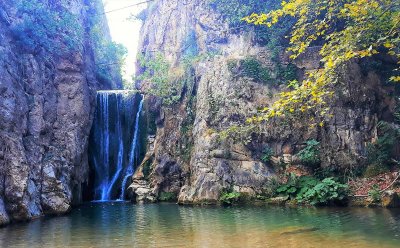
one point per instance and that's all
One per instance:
(170, 225)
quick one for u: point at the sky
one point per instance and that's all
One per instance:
(125, 31)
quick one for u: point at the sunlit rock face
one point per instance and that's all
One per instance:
(185, 155)
(46, 111)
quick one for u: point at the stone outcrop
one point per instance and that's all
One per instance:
(188, 157)
(46, 108)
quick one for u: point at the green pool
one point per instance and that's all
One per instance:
(170, 225)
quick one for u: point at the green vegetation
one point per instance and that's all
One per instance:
(310, 155)
(306, 189)
(167, 82)
(147, 168)
(348, 30)
(267, 154)
(161, 80)
(109, 56)
(286, 73)
(270, 188)
(379, 153)
(252, 68)
(48, 27)
(168, 197)
(234, 10)
(229, 198)
(374, 193)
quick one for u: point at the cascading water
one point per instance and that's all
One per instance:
(115, 130)
(132, 155)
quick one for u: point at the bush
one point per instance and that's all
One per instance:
(379, 153)
(326, 191)
(253, 68)
(147, 168)
(287, 73)
(156, 72)
(229, 198)
(310, 155)
(267, 154)
(270, 188)
(310, 190)
(234, 10)
(168, 197)
(375, 170)
(374, 193)
(49, 27)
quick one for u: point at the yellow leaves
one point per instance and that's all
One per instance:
(387, 44)
(395, 79)
(349, 55)
(369, 26)
(330, 63)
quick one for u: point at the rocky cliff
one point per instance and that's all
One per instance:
(47, 101)
(187, 160)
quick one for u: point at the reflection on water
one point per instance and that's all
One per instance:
(169, 225)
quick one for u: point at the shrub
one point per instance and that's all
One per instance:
(379, 153)
(310, 190)
(374, 193)
(326, 191)
(49, 27)
(229, 198)
(287, 73)
(310, 155)
(267, 154)
(156, 73)
(252, 68)
(270, 188)
(147, 168)
(295, 184)
(167, 196)
(375, 170)
(234, 10)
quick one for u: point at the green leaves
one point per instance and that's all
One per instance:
(350, 29)
(160, 80)
(310, 155)
(267, 154)
(310, 190)
(229, 198)
(51, 28)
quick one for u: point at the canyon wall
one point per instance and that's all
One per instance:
(47, 102)
(186, 159)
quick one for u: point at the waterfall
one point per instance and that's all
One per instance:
(115, 130)
(120, 148)
(132, 155)
(105, 137)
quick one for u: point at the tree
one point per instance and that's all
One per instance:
(348, 29)
(49, 27)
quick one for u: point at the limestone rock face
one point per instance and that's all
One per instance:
(188, 157)
(46, 108)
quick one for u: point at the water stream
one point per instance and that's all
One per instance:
(113, 148)
(133, 152)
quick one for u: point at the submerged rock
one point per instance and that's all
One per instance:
(390, 199)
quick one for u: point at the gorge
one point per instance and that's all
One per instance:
(212, 128)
